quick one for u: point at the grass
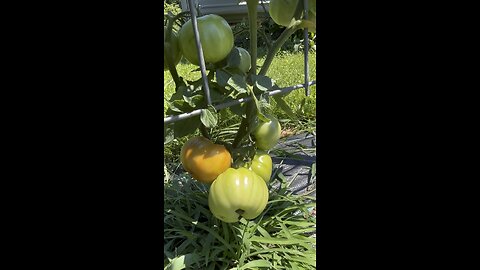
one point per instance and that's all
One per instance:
(277, 239)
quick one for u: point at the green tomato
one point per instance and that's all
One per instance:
(262, 165)
(216, 38)
(235, 193)
(174, 49)
(282, 11)
(245, 62)
(266, 134)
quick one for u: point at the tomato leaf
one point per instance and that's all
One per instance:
(238, 83)
(308, 24)
(209, 117)
(233, 70)
(222, 77)
(264, 101)
(168, 135)
(177, 103)
(263, 83)
(238, 109)
(218, 93)
(216, 97)
(179, 106)
(186, 126)
(194, 101)
(260, 115)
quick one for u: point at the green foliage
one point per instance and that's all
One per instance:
(172, 6)
(287, 69)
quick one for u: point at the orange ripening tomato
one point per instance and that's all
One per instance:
(204, 160)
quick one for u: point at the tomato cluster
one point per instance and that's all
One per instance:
(216, 38)
(234, 192)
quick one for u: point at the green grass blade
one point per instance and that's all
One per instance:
(256, 263)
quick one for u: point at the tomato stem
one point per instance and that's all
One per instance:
(250, 106)
(170, 64)
(204, 131)
(282, 39)
(276, 47)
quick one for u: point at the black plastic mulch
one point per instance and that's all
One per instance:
(295, 157)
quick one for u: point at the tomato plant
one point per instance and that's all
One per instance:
(237, 193)
(204, 160)
(173, 50)
(232, 76)
(232, 161)
(216, 38)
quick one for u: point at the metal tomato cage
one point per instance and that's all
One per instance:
(183, 116)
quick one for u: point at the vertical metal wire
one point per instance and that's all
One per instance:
(305, 49)
(201, 60)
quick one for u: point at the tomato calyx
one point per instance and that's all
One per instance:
(240, 213)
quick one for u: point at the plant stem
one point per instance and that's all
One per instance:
(170, 64)
(204, 131)
(276, 47)
(249, 107)
(240, 133)
(171, 67)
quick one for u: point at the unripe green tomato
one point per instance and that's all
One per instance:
(245, 59)
(237, 192)
(174, 49)
(262, 165)
(216, 37)
(266, 134)
(282, 11)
